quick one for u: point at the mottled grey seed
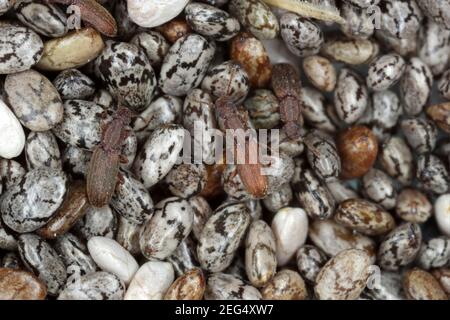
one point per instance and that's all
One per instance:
(75, 256)
(127, 74)
(385, 71)
(97, 222)
(44, 18)
(400, 247)
(222, 286)
(255, 16)
(185, 64)
(350, 96)
(30, 204)
(40, 258)
(41, 150)
(400, 18)
(380, 188)
(34, 100)
(210, 21)
(20, 47)
(221, 236)
(415, 86)
(432, 173)
(73, 84)
(227, 79)
(131, 199)
(420, 133)
(302, 36)
(169, 226)
(95, 286)
(154, 45)
(310, 260)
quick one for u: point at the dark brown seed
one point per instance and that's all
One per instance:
(175, 29)
(72, 209)
(358, 148)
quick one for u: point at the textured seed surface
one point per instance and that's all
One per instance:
(131, 199)
(350, 96)
(397, 159)
(75, 256)
(127, 74)
(221, 236)
(385, 71)
(159, 154)
(413, 206)
(260, 253)
(21, 48)
(189, 286)
(344, 276)
(302, 36)
(351, 51)
(73, 84)
(222, 286)
(380, 188)
(320, 72)
(30, 204)
(97, 222)
(34, 100)
(81, 125)
(313, 195)
(95, 286)
(432, 173)
(415, 86)
(285, 285)
(40, 258)
(333, 238)
(20, 285)
(169, 226)
(227, 79)
(45, 19)
(421, 134)
(364, 216)
(41, 150)
(255, 16)
(421, 285)
(434, 253)
(185, 64)
(210, 21)
(400, 18)
(323, 156)
(400, 246)
(310, 260)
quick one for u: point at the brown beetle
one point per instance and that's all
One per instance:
(103, 169)
(94, 14)
(286, 86)
(250, 173)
